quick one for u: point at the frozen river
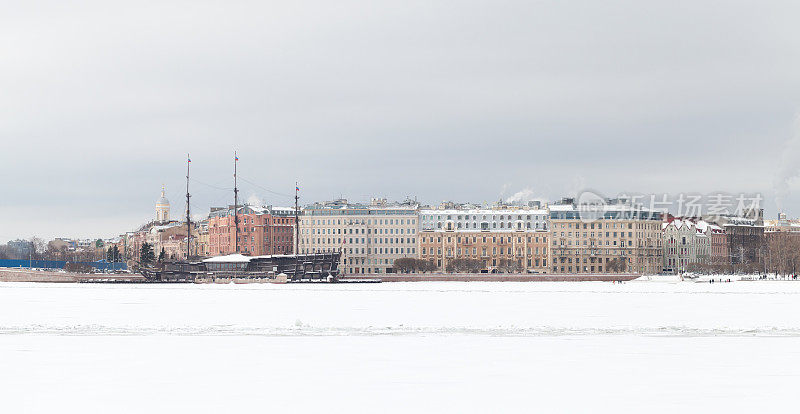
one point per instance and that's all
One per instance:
(458, 347)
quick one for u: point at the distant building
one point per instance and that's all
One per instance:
(501, 239)
(782, 224)
(746, 239)
(782, 239)
(202, 239)
(615, 237)
(162, 208)
(261, 231)
(688, 241)
(370, 236)
(720, 253)
(171, 238)
(173, 245)
(20, 249)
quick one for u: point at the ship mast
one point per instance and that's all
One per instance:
(296, 218)
(188, 211)
(235, 204)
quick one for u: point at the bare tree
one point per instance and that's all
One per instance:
(617, 265)
(783, 253)
(405, 265)
(38, 247)
(509, 266)
(465, 265)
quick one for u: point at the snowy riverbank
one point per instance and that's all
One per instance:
(470, 347)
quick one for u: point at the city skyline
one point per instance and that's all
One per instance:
(475, 104)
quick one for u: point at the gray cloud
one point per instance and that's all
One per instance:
(442, 100)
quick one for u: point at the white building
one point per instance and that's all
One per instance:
(494, 220)
(686, 241)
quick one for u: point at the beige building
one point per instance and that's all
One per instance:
(202, 239)
(370, 236)
(502, 240)
(612, 238)
(172, 239)
(782, 224)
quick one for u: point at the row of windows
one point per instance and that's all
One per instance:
(357, 212)
(493, 262)
(611, 252)
(363, 261)
(612, 225)
(484, 251)
(380, 250)
(599, 234)
(359, 231)
(594, 243)
(272, 229)
(486, 226)
(369, 222)
(251, 220)
(494, 217)
(484, 239)
(370, 240)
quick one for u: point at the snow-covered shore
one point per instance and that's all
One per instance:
(659, 345)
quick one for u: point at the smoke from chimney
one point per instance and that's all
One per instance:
(789, 168)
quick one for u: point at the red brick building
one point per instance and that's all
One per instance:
(720, 253)
(262, 231)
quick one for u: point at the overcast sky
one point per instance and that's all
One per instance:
(442, 100)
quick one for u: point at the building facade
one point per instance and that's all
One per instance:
(720, 253)
(171, 238)
(782, 225)
(370, 236)
(746, 239)
(502, 240)
(202, 239)
(261, 230)
(162, 208)
(686, 241)
(613, 238)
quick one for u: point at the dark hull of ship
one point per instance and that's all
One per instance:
(314, 267)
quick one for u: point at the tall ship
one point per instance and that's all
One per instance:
(238, 268)
(242, 268)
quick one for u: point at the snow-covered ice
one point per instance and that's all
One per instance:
(458, 347)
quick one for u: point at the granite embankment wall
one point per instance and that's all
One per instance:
(27, 275)
(485, 277)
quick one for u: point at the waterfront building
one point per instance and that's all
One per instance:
(202, 239)
(720, 252)
(782, 250)
(370, 236)
(502, 239)
(171, 238)
(262, 230)
(615, 237)
(173, 245)
(746, 238)
(688, 241)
